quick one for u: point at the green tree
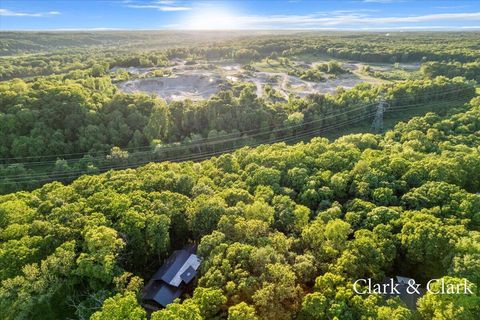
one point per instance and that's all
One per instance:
(449, 306)
(204, 213)
(241, 311)
(98, 263)
(177, 311)
(120, 307)
(209, 301)
(35, 293)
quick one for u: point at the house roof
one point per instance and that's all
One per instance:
(163, 294)
(409, 298)
(175, 266)
(188, 275)
(168, 270)
(165, 285)
(403, 280)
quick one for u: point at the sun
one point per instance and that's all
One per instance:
(212, 19)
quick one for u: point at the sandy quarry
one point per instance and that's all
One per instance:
(199, 82)
(179, 87)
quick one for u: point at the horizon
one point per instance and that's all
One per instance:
(474, 30)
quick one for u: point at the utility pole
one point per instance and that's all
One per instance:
(377, 124)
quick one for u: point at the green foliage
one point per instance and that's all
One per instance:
(282, 230)
(449, 306)
(29, 295)
(177, 311)
(469, 70)
(262, 244)
(241, 311)
(120, 307)
(98, 260)
(61, 128)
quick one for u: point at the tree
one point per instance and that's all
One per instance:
(368, 255)
(428, 243)
(305, 268)
(314, 307)
(157, 233)
(99, 70)
(449, 306)
(178, 311)
(102, 246)
(279, 294)
(394, 310)
(120, 307)
(209, 301)
(326, 241)
(241, 311)
(204, 214)
(334, 298)
(117, 155)
(467, 258)
(289, 217)
(380, 215)
(158, 124)
(30, 295)
(260, 210)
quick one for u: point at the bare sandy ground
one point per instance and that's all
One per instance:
(179, 87)
(198, 82)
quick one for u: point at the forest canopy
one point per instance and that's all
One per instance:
(282, 229)
(86, 120)
(99, 185)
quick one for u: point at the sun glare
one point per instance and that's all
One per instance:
(212, 19)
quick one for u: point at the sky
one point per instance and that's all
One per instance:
(223, 15)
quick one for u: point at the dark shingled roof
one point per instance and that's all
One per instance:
(166, 284)
(170, 268)
(166, 294)
(188, 275)
(410, 299)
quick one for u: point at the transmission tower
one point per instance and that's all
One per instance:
(377, 124)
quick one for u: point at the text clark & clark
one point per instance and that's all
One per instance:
(366, 286)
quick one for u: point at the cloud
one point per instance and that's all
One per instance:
(322, 19)
(423, 28)
(161, 5)
(160, 8)
(427, 18)
(450, 7)
(10, 13)
(174, 8)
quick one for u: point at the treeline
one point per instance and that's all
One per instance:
(283, 231)
(319, 72)
(368, 47)
(371, 47)
(93, 62)
(85, 50)
(13, 42)
(398, 47)
(81, 120)
(451, 69)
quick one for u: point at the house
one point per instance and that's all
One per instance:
(169, 282)
(409, 297)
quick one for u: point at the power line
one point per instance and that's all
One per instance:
(216, 139)
(148, 148)
(202, 155)
(197, 155)
(197, 144)
(173, 158)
